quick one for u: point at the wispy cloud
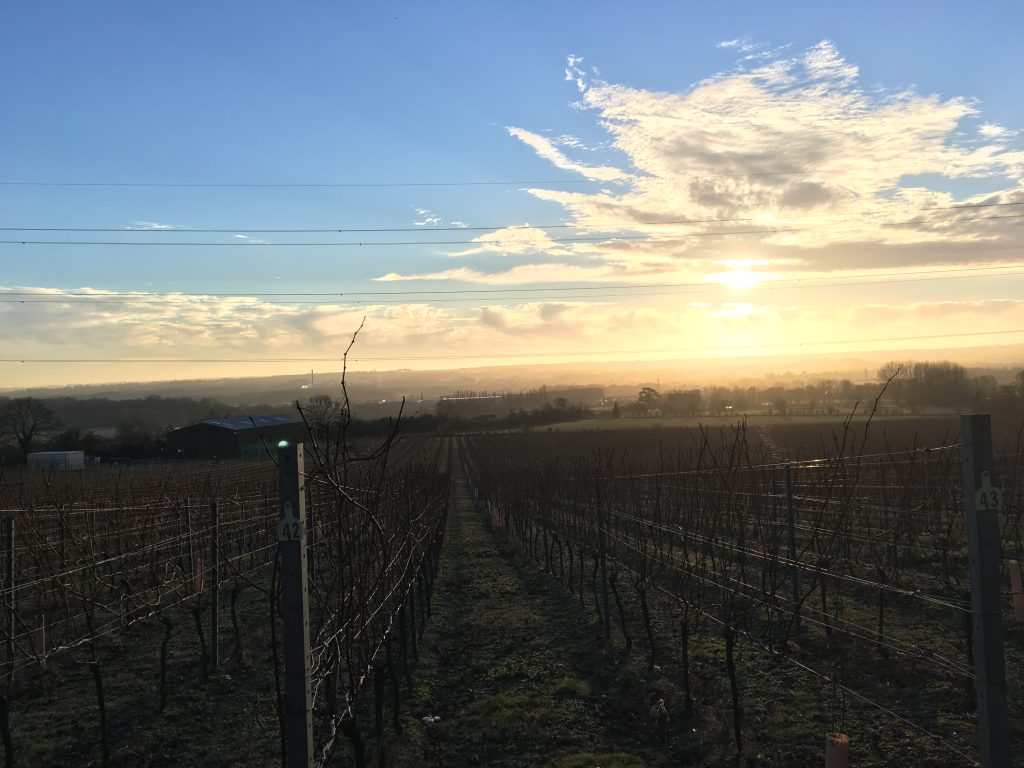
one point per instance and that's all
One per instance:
(515, 241)
(427, 218)
(793, 149)
(154, 326)
(992, 131)
(152, 225)
(523, 274)
(250, 239)
(741, 44)
(784, 161)
(574, 72)
(548, 150)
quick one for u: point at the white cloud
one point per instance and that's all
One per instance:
(514, 241)
(992, 131)
(427, 218)
(574, 73)
(794, 149)
(151, 225)
(568, 140)
(519, 275)
(741, 44)
(151, 326)
(824, 62)
(783, 160)
(547, 149)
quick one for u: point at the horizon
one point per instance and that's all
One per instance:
(677, 374)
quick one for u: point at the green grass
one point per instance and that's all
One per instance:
(516, 671)
(593, 760)
(573, 688)
(503, 717)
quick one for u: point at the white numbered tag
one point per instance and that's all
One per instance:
(288, 527)
(988, 498)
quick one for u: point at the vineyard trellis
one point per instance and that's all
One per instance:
(105, 553)
(845, 568)
(842, 567)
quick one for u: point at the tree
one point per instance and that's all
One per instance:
(682, 402)
(322, 412)
(780, 405)
(23, 420)
(939, 383)
(896, 373)
(616, 411)
(985, 388)
(648, 396)
(718, 399)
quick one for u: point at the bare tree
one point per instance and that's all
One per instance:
(322, 411)
(23, 420)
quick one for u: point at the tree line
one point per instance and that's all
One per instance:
(135, 428)
(131, 428)
(910, 387)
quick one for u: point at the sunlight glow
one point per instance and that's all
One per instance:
(737, 279)
(740, 274)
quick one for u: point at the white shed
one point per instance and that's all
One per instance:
(56, 460)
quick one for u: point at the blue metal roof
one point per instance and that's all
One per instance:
(253, 422)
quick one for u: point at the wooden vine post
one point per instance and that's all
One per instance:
(214, 586)
(794, 568)
(982, 504)
(311, 534)
(291, 538)
(603, 555)
(8, 526)
(1017, 590)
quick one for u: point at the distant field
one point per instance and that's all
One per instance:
(802, 435)
(718, 421)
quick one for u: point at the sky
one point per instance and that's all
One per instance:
(209, 190)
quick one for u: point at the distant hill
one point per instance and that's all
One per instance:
(378, 391)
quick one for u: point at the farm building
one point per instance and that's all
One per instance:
(241, 438)
(56, 460)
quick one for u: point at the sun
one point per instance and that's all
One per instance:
(738, 277)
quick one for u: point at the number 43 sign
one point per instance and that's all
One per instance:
(987, 498)
(288, 527)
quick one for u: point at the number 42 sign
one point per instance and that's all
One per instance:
(988, 498)
(288, 527)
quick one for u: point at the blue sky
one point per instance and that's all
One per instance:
(320, 93)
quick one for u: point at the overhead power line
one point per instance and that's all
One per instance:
(362, 243)
(543, 239)
(485, 300)
(359, 230)
(587, 225)
(507, 356)
(297, 185)
(593, 292)
(620, 225)
(370, 243)
(385, 184)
